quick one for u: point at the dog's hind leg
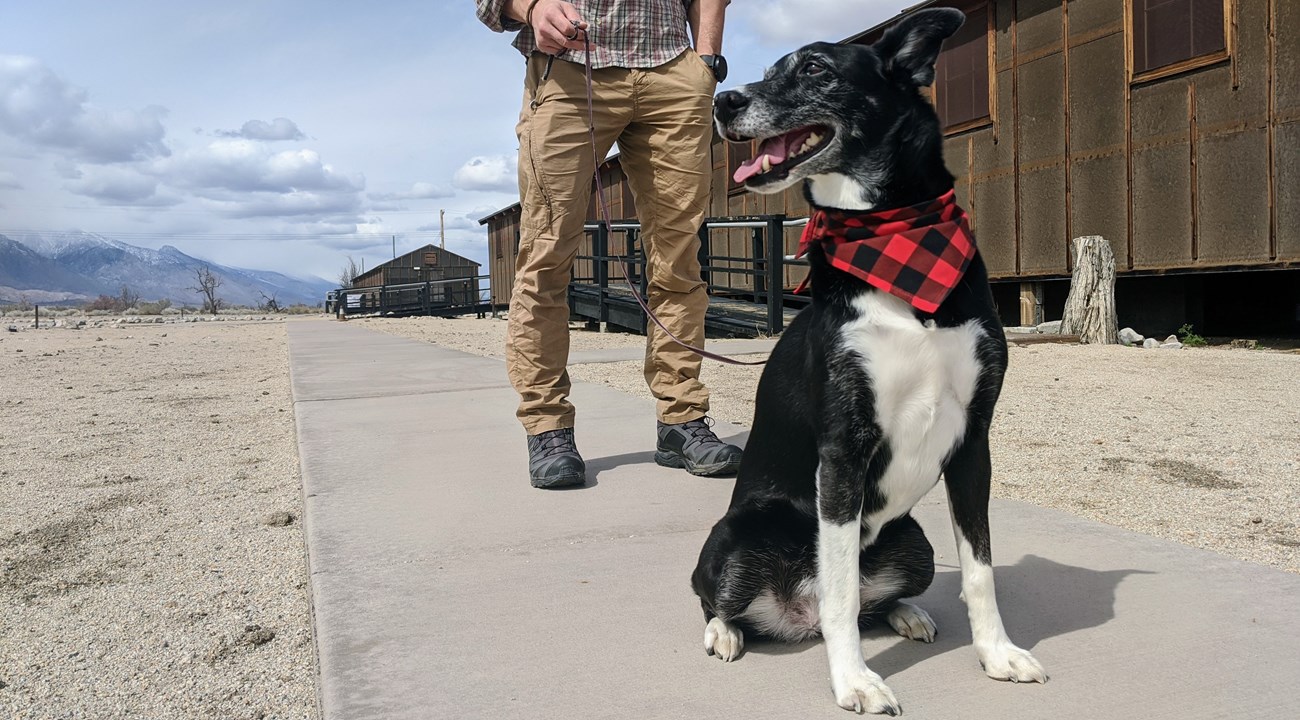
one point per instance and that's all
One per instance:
(720, 581)
(900, 564)
(968, 476)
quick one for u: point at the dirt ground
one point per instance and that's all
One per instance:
(151, 551)
(1199, 445)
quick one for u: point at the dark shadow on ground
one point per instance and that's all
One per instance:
(595, 466)
(1038, 598)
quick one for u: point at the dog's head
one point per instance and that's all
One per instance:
(839, 112)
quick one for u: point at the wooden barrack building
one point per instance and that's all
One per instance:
(1169, 127)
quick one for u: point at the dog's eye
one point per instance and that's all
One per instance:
(813, 67)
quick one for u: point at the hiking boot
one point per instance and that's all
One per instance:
(692, 445)
(553, 460)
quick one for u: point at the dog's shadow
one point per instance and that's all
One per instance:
(1039, 599)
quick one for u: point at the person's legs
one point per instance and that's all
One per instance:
(665, 153)
(666, 157)
(556, 163)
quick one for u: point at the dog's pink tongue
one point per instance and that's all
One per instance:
(775, 149)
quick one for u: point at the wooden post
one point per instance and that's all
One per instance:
(38, 316)
(1090, 308)
(1031, 303)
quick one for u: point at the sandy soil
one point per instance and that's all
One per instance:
(1201, 446)
(144, 571)
(151, 552)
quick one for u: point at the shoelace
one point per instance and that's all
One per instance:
(700, 432)
(553, 443)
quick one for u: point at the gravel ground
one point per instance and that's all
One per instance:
(152, 561)
(1201, 446)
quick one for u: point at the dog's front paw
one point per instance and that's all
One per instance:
(863, 691)
(912, 622)
(1005, 661)
(723, 641)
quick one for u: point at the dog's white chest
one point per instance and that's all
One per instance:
(923, 379)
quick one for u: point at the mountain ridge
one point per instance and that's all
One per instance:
(79, 266)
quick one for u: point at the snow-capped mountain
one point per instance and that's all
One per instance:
(83, 265)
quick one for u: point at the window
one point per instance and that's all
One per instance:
(737, 153)
(961, 77)
(1170, 34)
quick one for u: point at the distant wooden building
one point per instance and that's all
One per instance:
(429, 263)
(1170, 127)
(424, 278)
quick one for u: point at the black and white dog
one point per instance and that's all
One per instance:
(866, 400)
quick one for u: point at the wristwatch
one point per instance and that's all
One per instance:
(717, 64)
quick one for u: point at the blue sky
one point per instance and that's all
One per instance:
(287, 135)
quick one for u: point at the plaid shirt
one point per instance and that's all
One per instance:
(917, 253)
(624, 33)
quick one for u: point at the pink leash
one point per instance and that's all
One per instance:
(604, 214)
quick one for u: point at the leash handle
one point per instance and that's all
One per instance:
(604, 214)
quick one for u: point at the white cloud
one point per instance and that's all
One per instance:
(287, 204)
(418, 191)
(792, 23)
(496, 173)
(248, 166)
(9, 181)
(118, 185)
(277, 129)
(41, 108)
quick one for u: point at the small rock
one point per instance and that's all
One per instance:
(1257, 520)
(1245, 344)
(1050, 328)
(99, 339)
(277, 519)
(1175, 345)
(1150, 343)
(256, 635)
(1023, 329)
(1170, 339)
(1129, 336)
(13, 328)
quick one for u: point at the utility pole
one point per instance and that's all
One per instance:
(394, 247)
(442, 229)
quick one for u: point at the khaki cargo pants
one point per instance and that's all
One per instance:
(662, 120)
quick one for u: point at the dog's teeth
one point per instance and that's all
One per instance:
(767, 163)
(814, 139)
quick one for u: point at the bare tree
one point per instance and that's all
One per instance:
(207, 287)
(268, 304)
(127, 298)
(349, 273)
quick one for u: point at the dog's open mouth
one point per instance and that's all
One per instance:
(777, 155)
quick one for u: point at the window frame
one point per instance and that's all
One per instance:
(1228, 52)
(990, 13)
(733, 187)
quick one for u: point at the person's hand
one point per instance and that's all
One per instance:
(554, 29)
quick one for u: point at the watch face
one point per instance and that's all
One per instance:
(717, 64)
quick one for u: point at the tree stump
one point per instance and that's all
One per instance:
(1090, 308)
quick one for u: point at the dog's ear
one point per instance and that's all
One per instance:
(908, 50)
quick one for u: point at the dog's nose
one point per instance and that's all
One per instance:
(728, 105)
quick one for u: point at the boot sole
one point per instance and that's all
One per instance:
(668, 458)
(559, 481)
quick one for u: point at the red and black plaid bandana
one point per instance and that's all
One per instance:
(917, 253)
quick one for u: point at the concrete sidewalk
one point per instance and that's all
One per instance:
(445, 587)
